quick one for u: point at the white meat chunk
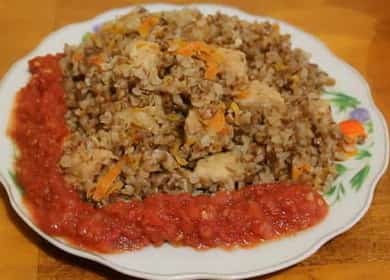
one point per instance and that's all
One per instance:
(220, 167)
(145, 60)
(192, 123)
(259, 94)
(85, 164)
(234, 65)
(149, 118)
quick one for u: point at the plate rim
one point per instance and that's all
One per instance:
(69, 248)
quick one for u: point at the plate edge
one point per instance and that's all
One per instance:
(91, 256)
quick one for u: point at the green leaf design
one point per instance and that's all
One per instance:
(358, 179)
(337, 190)
(363, 154)
(15, 181)
(331, 191)
(342, 101)
(86, 36)
(341, 169)
(342, 189)
(369, 126)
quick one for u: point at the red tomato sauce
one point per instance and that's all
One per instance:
(226, 219)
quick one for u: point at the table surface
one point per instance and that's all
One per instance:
(356, 30)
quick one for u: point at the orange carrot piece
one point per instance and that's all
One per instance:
(77, 56)
(96, 59)
(104, 183)
(147, 24)
(199, 49)
(242, 94)
(298, 170)
(352, 129)
(225, 130)
(204, 52)
(351, 153)
(217, 123)
(211, 71)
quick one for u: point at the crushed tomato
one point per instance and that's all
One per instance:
(226, 219)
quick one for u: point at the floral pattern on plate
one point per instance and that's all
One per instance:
(350, 177)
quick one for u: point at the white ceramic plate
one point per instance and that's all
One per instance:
(350, 196)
